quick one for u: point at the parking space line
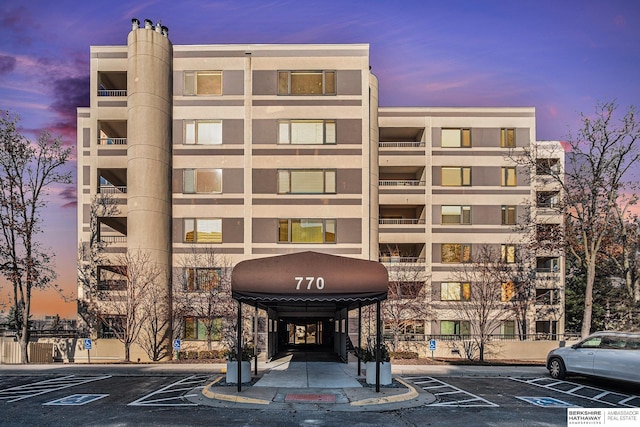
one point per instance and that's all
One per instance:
(467, 400)
(596, 398)
(26, 391)
(174, 392)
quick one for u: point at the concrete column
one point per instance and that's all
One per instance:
(149, 112)
(374, 172)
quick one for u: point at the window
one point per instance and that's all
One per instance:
(405, 289)
(455, 327)
(456, 214)
(547, 199)
(454, 138)
(307, 231)
(507, 138)
(203, 82)
(508, 253)
(307, 132)
(545, 296)
(456, 252)
(306, 82)
(508, 328)
(547, 166)
(508, 291)
(456, 176)
(318, 181)
(195, 328)
(202, 181)
(547, 264)
(111, 326)
(201, 279)
(405, 330)
(455, 291)
(508, 176)
(202, 230)
(508, 215)
(203, 132)
(548, 232)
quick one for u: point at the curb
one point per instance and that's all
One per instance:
(230, 398)
(411, 394)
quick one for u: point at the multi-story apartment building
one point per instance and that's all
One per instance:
(263, 150)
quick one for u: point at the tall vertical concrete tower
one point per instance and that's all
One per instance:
(149, 105)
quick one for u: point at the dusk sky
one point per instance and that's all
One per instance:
(559, 56)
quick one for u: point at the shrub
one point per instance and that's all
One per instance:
(404, 355)
(205, 354)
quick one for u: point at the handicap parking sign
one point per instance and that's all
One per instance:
(432, 345)
(177, 344)
(87, 344)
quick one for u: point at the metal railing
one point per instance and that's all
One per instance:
(112, 92)
(401, 183)
(540, 336)
(112, 141)
(401, 259)
(113, 239)
(407, 144)
(401, 221)
(112, 189)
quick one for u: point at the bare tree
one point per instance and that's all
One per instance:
(151, 340)
(598, 173)
(122, 306)
(26, 173)
(91, 256)
(490, 280)
(202, 293)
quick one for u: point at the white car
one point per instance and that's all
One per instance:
(614, 355)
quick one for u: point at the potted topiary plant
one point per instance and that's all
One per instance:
(368, 356)
(245, 364)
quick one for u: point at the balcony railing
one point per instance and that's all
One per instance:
(113, 189)
(113, 239)
(408, 144)
(112, 141)
(401, 221)
(401, 183)
(112, 92)
(401, 259)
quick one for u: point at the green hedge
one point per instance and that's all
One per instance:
(404, 355)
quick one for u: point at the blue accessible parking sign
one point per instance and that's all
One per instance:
(177, 344)
(87, 344)
(432, 345)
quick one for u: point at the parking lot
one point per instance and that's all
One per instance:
(144, 398)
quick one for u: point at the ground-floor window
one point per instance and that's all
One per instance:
(455, 327)
(196, 328)
(111, 326)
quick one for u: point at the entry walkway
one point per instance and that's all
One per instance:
(298, 380)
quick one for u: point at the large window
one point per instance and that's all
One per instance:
(314, 181)
(307, 231)
(508, 291)
(507, 138)
(456, 176)
(508, 253)
(456, 252)
(547, 264)
(195, 328)
(201, 279)
(306, 82)
(203, 132)
(455, 291)
(508, 176)
(455, 327)
(202, 181)
(547, 166)
(508, 215)
(456, 214)
(306, 132)
(508, 328)
(455, 138)
(202, 230)
(203, 82)
(548, 199)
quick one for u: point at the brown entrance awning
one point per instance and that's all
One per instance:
(308, 277)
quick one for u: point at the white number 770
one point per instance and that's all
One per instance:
(319, 281)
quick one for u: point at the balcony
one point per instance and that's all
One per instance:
(401, 144)
(115, 190)
(400, 221)
(401, 183)
(112, 83)
(112, 132)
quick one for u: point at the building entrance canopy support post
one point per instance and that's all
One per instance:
(312, 284)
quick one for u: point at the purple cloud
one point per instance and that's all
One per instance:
(69, 194)
(69, 93)
(7, 64)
